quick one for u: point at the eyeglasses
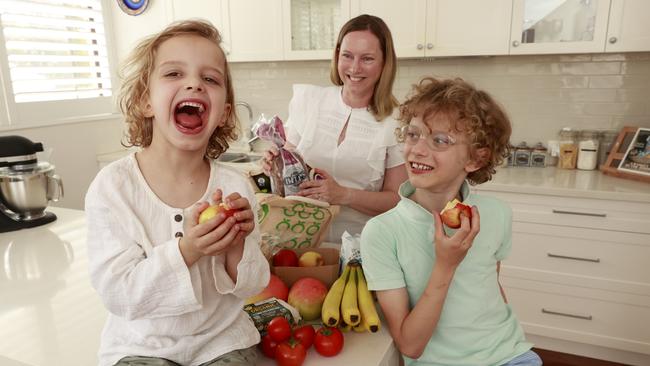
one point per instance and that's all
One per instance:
(438, 141)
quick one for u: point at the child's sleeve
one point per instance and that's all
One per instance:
(253, 269)
(379, 257)
(134, 280)
(506, 243)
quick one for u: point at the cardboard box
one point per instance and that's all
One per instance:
(327, 273)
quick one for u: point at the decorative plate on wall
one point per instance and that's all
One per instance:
(133, 7)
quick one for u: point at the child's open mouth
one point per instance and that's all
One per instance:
(189, 116)
(419, 168)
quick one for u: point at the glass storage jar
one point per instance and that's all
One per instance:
(568, 148)
(539, 156)
(588, 150)
(607, 140)
(522, 154)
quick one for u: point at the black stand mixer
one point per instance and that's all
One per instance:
(26, 186)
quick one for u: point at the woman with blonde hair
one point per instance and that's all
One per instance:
(346, 132)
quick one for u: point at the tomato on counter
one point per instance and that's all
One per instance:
(279, 329)
(290, 353)
(305, 335)
(328, 341)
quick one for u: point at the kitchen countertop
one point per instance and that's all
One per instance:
(50, 314)
(565, 182)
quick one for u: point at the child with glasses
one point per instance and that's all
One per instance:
(438, 287)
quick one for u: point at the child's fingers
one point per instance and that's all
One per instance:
(439, 232)
(244, 215)
(224, 243)
(217, 196)
(196, 211)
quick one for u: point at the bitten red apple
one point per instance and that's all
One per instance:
(452, 212)
(276, 288)
(214, 210)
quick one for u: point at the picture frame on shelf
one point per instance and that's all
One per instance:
(623, 158)
(637, 157)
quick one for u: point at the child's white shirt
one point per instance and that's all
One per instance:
(158, 307)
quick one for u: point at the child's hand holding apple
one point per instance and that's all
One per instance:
(213, 229)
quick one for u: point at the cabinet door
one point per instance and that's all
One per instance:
(569, 26)
(405, 19)
(468, 27)
(628, 26)
(255, 30)
(214, 11)
(311, 27)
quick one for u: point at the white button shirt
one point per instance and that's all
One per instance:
(317, 116)
(157, 306)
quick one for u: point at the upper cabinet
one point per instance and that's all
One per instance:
(255, 28)
(215, 11)
(558, 26)
(311, 27)
(443, 27)
(629, 29)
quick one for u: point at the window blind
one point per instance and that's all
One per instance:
(56, 49)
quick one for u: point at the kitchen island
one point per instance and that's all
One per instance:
(50, 314)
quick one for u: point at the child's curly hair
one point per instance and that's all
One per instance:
(471, 111)
(134, 91)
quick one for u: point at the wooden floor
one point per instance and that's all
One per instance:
(551, 358)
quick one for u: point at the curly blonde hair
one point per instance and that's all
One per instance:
(383, 101)
(136, 74)
(471, 111)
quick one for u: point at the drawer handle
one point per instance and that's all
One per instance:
(595, 260)
(579, 213)
(585, 317)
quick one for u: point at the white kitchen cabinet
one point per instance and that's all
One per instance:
(311, 27)
(558, 26)
(255, 29)
(578, 270)
(628, 29)
(427, 28)
(215, 11)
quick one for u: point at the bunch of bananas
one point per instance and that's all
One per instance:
(349, 304)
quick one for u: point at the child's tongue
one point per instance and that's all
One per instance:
(188, 120)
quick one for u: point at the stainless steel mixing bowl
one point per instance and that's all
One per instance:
(24, 194)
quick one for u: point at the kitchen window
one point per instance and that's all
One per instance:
(54, 62)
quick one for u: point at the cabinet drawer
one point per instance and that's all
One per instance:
(578, 212)
(581, 319)
(596, 254)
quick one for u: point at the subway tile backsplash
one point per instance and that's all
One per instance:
(542, 93)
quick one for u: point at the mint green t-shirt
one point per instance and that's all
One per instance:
(476, 326)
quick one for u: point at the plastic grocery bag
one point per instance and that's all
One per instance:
(288, 169)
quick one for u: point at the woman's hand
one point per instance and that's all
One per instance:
(216, 235)
(450, 251)
(325, 189)
(267, 159)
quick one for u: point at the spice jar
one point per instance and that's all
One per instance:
(522, 154)
(538, 156)
(568, 148)
(607, 140)
(588, 150)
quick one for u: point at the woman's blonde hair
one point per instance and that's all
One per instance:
(134, 91)
(471, 111)
(383, 101)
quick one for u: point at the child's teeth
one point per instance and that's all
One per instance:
(421, 166)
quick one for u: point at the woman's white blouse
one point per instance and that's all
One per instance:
(317, 116)
(159, 307)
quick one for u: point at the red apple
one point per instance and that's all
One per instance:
(214, 210)
(307, 295)
(285, 258)
(276, 288)
(451, 216)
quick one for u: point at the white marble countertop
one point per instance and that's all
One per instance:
(564, 182)
(50, 314)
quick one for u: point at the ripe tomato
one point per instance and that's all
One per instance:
(328, 341)
(285, 258)
(279, 329)
(290, 353)
(268, 346)
(305, 335)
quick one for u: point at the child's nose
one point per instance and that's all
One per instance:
(194, 84)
